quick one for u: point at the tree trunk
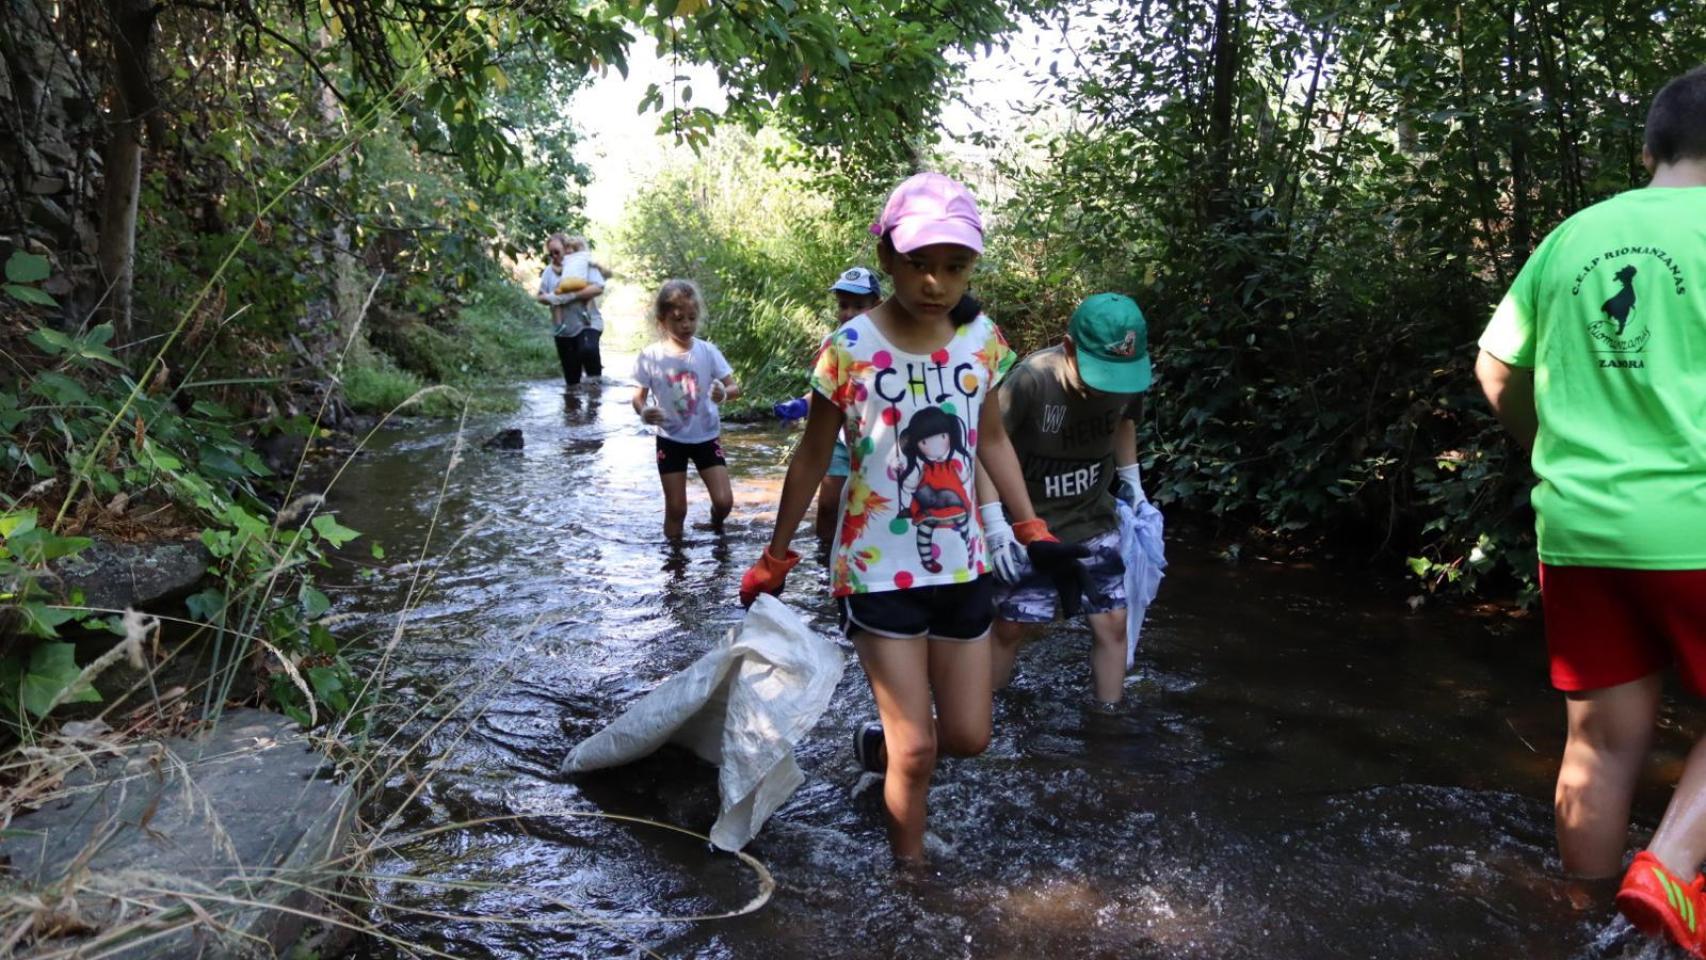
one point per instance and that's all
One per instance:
(347, 287)
(131, 26)
(1291, 167)
(1478, 178)
(1222, 97)
(122, 169)
(1517, 85)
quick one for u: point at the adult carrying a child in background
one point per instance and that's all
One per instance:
(570, 285)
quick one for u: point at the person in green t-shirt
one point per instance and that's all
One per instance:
(1071, 412)
(1596, 359)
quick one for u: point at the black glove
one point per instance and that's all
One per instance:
(1060, 563)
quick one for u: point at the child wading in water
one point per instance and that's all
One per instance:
(1595, 360)
(856, 291)
(681, 381)
(908, 382)
(1071, 411)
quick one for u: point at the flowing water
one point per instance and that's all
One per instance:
(1302, 768)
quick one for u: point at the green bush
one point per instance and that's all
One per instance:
(500, 335)
(507, 332)
(376, 385)
(83, 436)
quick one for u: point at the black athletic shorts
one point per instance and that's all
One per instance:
(949, 611)
(673, 456)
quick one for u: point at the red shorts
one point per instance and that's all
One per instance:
(1608, 626)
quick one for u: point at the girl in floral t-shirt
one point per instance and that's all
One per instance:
(912, 422)
(908, 384)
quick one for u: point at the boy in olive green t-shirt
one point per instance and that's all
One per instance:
(1070, 411)
(1596, 359)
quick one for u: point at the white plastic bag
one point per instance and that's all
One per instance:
(742, 706)
(1145, 558)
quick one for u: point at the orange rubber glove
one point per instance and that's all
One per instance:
(766, 576)
(1033, 529)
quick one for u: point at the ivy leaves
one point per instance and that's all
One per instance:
(34, 685)
(23, 272)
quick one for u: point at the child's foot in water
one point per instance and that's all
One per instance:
(1658, 903)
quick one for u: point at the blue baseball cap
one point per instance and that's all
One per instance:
(858, 280)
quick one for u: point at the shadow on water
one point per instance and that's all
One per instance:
(1302, 768)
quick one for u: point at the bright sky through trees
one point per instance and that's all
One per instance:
(624, 151)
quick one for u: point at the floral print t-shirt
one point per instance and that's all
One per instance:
(909, 513)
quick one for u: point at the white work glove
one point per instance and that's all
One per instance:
(1005, 553)
(1128, 485)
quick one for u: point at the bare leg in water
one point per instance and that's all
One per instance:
(722, 495)
(932, 697)
(1610, 731)
(674, 503)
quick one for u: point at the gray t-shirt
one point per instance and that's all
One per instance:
(1064, 437)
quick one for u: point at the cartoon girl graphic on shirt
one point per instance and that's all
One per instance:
(932, 479)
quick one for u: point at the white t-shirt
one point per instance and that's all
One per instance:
(576, 265)
(909, 513)
(680, 384)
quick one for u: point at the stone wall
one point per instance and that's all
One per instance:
(51, 130)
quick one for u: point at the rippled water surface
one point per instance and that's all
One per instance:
(1302, 768)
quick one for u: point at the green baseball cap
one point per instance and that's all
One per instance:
(1112, 341)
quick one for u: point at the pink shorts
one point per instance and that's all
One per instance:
(1607, 626)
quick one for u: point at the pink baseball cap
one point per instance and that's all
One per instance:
(930, 208)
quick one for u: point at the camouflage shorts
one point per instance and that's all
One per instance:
(1034, 600)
